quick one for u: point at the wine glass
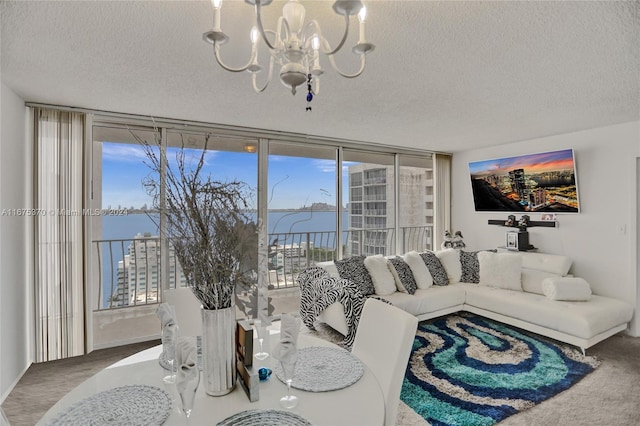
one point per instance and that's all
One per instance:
(288, 366)
(260, 332)
(187, 392)
(169, 346)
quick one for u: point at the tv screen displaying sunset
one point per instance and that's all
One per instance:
(543, 182)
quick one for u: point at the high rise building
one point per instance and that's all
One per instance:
(518, 184)
(139, 272)
(372, 209)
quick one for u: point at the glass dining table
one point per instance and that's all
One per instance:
(360, 403)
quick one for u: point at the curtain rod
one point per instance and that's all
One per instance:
(110, 116)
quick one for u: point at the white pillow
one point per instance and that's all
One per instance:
(450, 259)
(383, 280)
(567, 288)
(420, 271)
(532, 280)
(501, 270)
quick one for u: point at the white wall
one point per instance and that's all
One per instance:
(602, 239)
(15, 281)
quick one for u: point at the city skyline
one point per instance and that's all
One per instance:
(531, 164)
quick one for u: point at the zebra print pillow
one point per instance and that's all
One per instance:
(470, 267)
(353, 269)
(405, 282)
(435, 267)
(318, 291)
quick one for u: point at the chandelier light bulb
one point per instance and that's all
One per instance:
(216, 4)
(254, 35)
(362, 15)
(315, 42)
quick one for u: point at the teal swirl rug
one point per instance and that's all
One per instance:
(470, 371)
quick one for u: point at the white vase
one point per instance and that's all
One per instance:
(219, 350)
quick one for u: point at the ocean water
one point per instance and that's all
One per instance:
(127, 226)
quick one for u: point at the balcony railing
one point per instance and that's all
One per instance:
(128, 276)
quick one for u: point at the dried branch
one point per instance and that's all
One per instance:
(206, 222)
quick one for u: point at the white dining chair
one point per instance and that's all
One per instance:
(187, 308)
(383, 342)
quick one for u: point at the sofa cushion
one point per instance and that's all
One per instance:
(556, 264)
(567, 288)
(353, 269)
(532, 280)
(383, 281)
(402, 275)
(584, 320)
(425, 301)
(437, 271)
(419, 269)
(501, 270)
(450, 260)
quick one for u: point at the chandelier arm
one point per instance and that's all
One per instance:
(260, 27)
(254, 78)
(363, 63)
(326, 47)
(216, 51)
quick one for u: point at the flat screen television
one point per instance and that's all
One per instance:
(544, 182)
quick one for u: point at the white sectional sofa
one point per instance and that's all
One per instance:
(580, 323)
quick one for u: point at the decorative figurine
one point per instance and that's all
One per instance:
(523, 223)
(448, 241)
(457, 242)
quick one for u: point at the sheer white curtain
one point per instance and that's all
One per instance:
(59, 289)
(442, 203)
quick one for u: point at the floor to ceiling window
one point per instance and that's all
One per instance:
(302, 213)
(130, 260)
(323, 201)
(415, 202)
(369, 178)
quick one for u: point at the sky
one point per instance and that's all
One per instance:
(533, 163)
(293, 181)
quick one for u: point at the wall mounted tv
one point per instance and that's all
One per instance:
(543, 182)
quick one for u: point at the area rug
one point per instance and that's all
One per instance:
(470, 371)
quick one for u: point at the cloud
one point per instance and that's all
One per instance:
(123, 152)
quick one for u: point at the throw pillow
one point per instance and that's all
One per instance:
(450, 260)
(383, 280)
(567, 288)
(437, 271)
(353, 269)
(470, 266)
(419, 269)
(402, 274)
(501, 270)
(532, 280)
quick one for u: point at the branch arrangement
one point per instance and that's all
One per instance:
(206, 222)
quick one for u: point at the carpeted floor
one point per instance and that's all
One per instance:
(45, 383)
(468, 370)
(608, 396)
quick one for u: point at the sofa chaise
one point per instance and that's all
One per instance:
(522, 289)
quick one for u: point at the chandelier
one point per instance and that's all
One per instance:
(295, 45)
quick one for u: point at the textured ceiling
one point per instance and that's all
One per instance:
(445, 76)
